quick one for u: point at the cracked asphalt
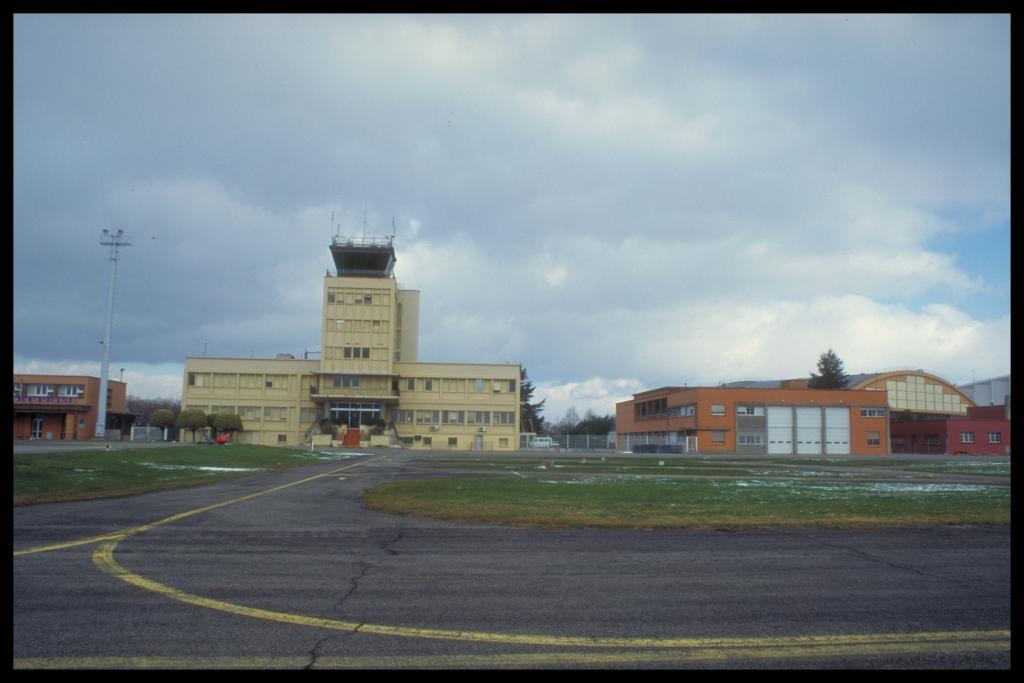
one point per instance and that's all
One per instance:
(371, 590)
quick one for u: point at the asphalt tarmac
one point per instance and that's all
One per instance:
(287, 570)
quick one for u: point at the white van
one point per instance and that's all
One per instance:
(543, 442)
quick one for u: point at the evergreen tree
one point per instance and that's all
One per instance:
(832, 376)
(530, 419)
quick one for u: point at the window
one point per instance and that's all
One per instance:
(751, 440)
(718, 435)
(995, 437)
(330, 297)
(511, 386)
(41, 390)
(427, 417)
(479, 417)
(307, 414)
(931, 439)
(428, 441)
(366, 352)
(454, 417)
(339, 325)
(273, 414)
(874, 438)
(428, 385)
(453, 441)
(478, 386)
(966, 437)
(282, 438)
(718, 409)
(748, 410)
(70, 390)
(504, 418)
(410, 384)
(348, 352)
(403, 417)
(17, 390)
(872, 412)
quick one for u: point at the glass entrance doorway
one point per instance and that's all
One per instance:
(355, 414)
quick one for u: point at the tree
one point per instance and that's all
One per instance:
(530, 419)
(568, 423)
(832, 376)
(164, 419)
(227, 422)
(145, 407)
(596, 424)
(192, 419)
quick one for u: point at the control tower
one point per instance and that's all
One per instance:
(363, 257)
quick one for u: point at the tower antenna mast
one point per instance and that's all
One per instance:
(115, 241)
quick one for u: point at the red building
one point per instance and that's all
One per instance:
(984, 430)
(66, 407)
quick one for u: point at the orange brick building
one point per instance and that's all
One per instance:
(784, 420)
(65, 407)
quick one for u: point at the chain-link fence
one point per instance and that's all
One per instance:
(147, 434)
(568, 442)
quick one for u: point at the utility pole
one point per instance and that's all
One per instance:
(115, 241)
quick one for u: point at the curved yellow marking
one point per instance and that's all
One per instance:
(125, 533)
(103, 557)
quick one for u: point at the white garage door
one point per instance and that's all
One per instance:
(808, 431)
(780, 430)
(837, 431)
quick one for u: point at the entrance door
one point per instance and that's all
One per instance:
(837, 431)
(37, 427)
(780, 430)
(808, 430)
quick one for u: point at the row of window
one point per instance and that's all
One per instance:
(231, 380)
(453, 441)
(459, 386)
(651, 409)
(72, 390)
(359, 298)
(364, 326)
(455, 417)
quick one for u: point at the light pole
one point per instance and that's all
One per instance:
(115, 241)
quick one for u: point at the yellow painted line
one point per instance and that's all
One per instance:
(125, 533)
(103, 557)
(633, 658)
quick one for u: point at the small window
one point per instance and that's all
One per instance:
(511, 386)
(718, 435)
(282, 438)
(453, 441)
(718, 409)
(339, 325)
(428, 441)
(410, 384)
(366, 352)
(966, 437)
(348, 352)
(874, 438)
(330, 297)
(930, 439)
(995, 437)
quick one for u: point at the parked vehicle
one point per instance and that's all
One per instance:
(543, 442)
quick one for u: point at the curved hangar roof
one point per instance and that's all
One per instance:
(916, 391)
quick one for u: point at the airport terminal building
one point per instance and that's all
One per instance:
(368, 373)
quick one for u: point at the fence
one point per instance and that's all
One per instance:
(657, 443)
(569, 442)
(147, 434)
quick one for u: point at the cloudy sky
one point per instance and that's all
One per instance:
(615, 202)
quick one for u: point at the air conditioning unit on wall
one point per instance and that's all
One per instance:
(434, 428)
(482, 429)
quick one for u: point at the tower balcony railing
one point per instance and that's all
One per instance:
(362, 393)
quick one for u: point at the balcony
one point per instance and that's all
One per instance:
(357, 393)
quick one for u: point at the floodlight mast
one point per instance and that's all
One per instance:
(115, 241)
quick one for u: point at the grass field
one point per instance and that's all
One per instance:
(640, 492)
(85, 475)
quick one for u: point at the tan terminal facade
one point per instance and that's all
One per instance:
(368, 374)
